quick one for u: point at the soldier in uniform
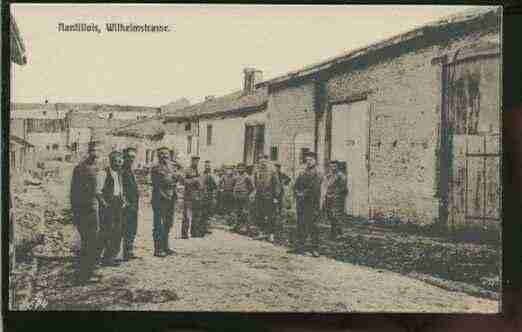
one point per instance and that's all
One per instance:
(335, 197)
(164, 177)
(243, 188)
(114, 197)
(209, 187)
(307, 190)
(191, 226)
(86, 200)
(130, 188)
(226, 186)
(284, 180)
(267, 188)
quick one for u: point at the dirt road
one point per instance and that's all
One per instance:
(229, 272)
(226, 271)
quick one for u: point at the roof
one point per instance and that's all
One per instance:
(237, 101)
(18, 54)
(486, 15)
(147, 128)
(93, 120)
(83, 107)
(20, 140)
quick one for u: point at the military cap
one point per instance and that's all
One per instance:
(129, 148)
(92, 144)
(115, 154)
(195, 158)
(310, 154)
(278, 165)
(207, 161)
(162, 148)
(240, 165)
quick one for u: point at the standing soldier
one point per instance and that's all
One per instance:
(243, 188)
(164, 178)
(226, 186)
(267, 188)
(114, 197)
(307, 190)
(335, 197)
(192, 201)
(284, 180)
(209, 187)
(86, 201)
(130, 188)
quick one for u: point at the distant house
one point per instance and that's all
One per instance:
(21, 155)
(175, 105)
(146, 136)
(62, 130)
(227, 129)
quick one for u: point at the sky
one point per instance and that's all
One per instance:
(204, 52)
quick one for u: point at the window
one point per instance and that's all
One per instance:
(172, 155)
(111, 115)
(55, 146)
(187, 126)
(189, 144)
(274, 153)
(48, 147)
(209, 134)
(302, 154)
(147, 156)
(74, 147)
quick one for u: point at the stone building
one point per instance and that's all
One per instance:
(416, 119)
(21, 155)
(227, 129)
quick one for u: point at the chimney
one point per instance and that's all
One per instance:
(252, 76)
(209, 98)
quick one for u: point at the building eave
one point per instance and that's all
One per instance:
(243, 111)
(439, 31)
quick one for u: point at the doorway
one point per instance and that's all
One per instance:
(349, 143)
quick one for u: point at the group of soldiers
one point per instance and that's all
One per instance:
(105, 203)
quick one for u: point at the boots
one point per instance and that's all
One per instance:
(157, 249)
(166, 248)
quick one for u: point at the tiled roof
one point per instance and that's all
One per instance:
(92, 120)
(18, 53)
(237, 101)
(486, 15)
(20, 140)
(84, 107)
(147, 128)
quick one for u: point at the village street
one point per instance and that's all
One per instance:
(230, 272)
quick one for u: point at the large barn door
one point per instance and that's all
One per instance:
(349, 143)
(473, 121)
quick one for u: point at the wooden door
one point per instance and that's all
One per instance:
(473, 109)
(349, 143)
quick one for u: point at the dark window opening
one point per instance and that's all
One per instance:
(55, 146)
(189, 144)
(111, 115)
(302, 154)
(188, 126)
(209, 134)
(274, 153)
